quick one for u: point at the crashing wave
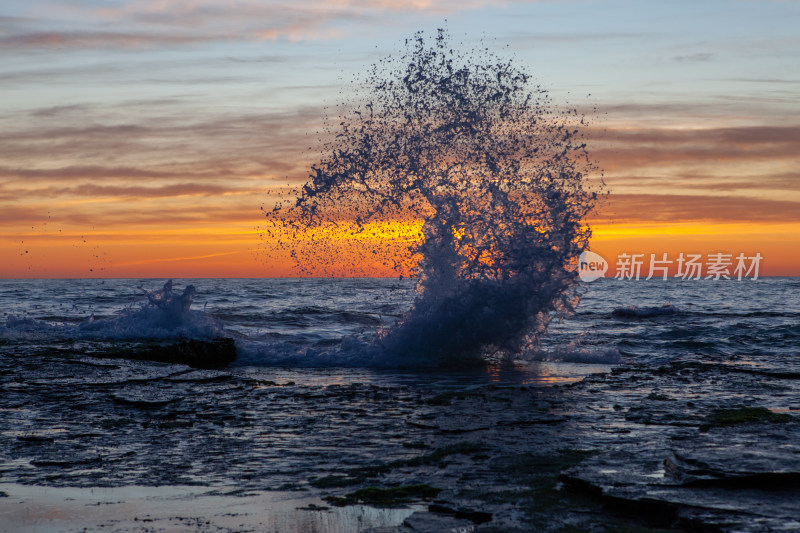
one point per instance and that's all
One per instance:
(165, 315)
(463, 146)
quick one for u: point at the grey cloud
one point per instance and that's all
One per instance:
(671, 208)
(699, 57)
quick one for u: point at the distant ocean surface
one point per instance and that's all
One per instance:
(324, 323)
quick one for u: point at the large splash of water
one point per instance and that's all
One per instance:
(463, 146)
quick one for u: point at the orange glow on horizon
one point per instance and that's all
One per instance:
(776, 242)
(231, 251)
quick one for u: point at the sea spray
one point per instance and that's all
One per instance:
(164, 315)
(491, 177)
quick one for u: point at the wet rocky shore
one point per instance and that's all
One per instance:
(681, 446)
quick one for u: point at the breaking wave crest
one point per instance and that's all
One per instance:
(163, 316)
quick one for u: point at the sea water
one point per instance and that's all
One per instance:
(305, 397)
(321, 323)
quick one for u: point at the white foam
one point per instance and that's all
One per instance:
(165, 315)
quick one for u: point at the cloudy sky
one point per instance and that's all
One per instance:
(141, 138)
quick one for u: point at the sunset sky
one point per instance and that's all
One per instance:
(142, 138)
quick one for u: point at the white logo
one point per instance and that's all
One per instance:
(591, 266)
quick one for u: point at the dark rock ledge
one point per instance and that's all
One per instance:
(206, 354)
